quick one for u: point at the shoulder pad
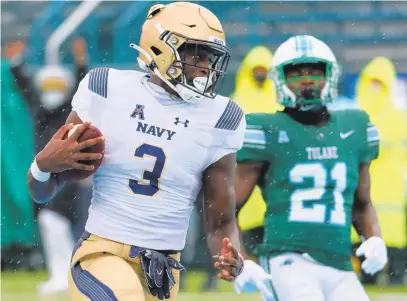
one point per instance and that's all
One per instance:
(231, 117)
(348, 111)
(98, 79)
(355, 116)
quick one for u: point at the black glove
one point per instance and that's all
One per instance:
(157, 269)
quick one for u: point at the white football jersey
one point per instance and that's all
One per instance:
(157, 149)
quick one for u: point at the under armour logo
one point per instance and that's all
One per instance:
(138, 111)
(185, 123)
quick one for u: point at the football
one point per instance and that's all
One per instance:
(77, 174)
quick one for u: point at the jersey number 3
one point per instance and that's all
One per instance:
(149, 185)
(300, 211)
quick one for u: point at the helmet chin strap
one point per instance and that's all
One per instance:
(185, 93)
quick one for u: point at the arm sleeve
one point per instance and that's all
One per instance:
(255, 143)
(228, 133)
(90, 98)
(370, 148)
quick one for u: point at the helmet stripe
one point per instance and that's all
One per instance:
(301, 45)
(304, 49)
(297, 44)
(309, 46)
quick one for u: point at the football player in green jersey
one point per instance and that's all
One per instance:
(313, 167)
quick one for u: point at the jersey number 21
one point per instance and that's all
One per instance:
(317, 213)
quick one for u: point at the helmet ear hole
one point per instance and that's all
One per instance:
(154, 10)
(156, 50)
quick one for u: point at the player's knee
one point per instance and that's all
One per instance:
(94, 276)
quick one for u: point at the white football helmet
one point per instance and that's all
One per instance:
(304, 49)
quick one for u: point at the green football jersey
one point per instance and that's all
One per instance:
(310, 182)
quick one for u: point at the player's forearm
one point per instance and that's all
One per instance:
(224, 226)
(220, 204)
(42, 192)
(247, 176)
(365, 220)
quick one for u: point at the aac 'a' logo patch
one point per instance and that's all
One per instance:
(283, 137)
(138, 112)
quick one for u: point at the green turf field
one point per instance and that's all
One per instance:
(21, 286)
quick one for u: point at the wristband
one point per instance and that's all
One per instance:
(241, 261)
(38, 174)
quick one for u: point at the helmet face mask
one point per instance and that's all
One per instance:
(321, 78)
(306, 80)
(199, 65)
(173, 40)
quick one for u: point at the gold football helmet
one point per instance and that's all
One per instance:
(171, 28)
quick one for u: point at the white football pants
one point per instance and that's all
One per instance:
(298, 277)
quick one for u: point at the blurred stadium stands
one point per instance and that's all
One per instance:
(363, 29)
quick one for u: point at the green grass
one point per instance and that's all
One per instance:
(21, 286)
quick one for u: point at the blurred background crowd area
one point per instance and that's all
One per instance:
(368, 38)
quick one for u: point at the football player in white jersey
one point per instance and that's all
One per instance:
(167, 135)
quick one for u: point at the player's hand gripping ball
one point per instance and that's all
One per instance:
(75, 156)
(90, 132)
